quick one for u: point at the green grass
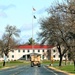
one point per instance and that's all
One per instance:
(14, 63)
(48, 62)
(67, 68)
(45, 62)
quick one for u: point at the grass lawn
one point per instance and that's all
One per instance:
(67, 68)
(14, 63)
(45, 62)
(48, 62)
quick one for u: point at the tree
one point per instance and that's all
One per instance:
(57, 27)
(1, 44)
(31, 41)
(52, 33)
(72, 31)
(8, 41)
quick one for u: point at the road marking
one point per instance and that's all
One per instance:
(36, 72)
(50, 70)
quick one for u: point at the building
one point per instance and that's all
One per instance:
(22, 52)
(54, 54)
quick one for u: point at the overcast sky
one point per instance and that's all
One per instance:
(19, 14)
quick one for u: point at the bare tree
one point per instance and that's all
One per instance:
(57, 27)
(8, 41)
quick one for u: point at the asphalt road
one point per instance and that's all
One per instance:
(27, 70)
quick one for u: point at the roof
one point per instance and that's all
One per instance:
(34, 46)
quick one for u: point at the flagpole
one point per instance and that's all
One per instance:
(33, 17)
(32, 28)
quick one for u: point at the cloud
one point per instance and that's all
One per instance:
(3, 8)
(25, 27)
(42, 10)
(28, 27)
(3, 14)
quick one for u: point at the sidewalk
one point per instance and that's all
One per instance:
(60, 70)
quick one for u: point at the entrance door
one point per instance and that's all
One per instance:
(28, 57)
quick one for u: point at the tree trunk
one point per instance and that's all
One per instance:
(59, 49)
(5, 58)
(60, 62)
(74, 65)
(3, 63)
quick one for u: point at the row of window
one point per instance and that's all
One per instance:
(28, 50)
(43, 56)
(24, 56)
(54, 56)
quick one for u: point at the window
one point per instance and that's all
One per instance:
(12, 56)
(43, 51)
(53, 50)
(64, 56)
(28, 50)
(54, 56)
(23, 50)
(38, 50)
(18, 50)
(23, 56)
(33, 50)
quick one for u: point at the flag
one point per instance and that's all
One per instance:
(34, 16)
(34, 9)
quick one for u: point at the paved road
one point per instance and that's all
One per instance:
(27, 70)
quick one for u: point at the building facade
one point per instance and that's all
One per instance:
(22, 52)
